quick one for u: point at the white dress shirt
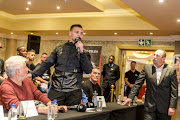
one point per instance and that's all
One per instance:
(158, 73)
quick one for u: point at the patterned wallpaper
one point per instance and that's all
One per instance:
(48, 46)
(2, 50)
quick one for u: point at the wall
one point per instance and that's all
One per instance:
(108, 46)
(2, 50)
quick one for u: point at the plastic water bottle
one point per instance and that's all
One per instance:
(99, 105)
(119, 99)
(143, 98)
(55, 107)
(135, 100)
(51, 111)
(94, 99)
(12, 114)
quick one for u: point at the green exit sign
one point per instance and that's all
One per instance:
(144, 42)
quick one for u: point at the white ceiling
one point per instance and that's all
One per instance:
(98, 17)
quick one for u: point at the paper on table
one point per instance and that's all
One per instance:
(5, 118)
(30, 107)
(90, 109)
(1, 112)
(103, 100)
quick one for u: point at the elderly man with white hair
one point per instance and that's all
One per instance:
(17, 87)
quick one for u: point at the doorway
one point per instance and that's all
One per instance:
(128, 53)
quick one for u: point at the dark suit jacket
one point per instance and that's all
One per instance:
(158, 97)
(110, 75)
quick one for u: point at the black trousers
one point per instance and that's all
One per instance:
(107, 94)
(66, 98)
(156, 116)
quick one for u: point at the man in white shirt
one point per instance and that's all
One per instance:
(162, 89)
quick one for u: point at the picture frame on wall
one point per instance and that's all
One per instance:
(176, 65)
(176, 60)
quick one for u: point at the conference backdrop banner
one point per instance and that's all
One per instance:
(96, 56)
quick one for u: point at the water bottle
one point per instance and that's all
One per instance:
(119, 99)
(135, 100)
(143, 98)
(94, 99)
(12, 114)
(51, 111)
(99, 105)
(55, 107)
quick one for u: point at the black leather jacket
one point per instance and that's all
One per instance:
(68, 68)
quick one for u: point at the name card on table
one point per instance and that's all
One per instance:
(103, 100)
(1, 113)
(27, 108)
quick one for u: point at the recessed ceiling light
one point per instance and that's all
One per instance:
(115, 33)
(178, 20)
(58, 7)
(57, 33)
(132, 33)
(151, 33)
(31, 33)
(29, 2)
(11, 32)
(161, 1)
(65, 1)
(84, 33)
(27, 8)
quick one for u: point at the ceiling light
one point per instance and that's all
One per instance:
(65, 1)
(58, 7)
(115, 33)
(140, 54)
(57, 33)
(161, 1)
(31, 33)
(151, 33)
(84, 33)
(27, 8)
(29, 2)
(178, 20)
(11, 33)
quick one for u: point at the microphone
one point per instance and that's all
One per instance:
(62, 110)
(79, 108)
(78, 49)
(77, 39)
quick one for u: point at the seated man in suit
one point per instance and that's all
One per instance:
(17, 87)
(91, 85)
(162, 88)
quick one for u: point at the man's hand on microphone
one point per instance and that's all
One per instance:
(79, 45)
